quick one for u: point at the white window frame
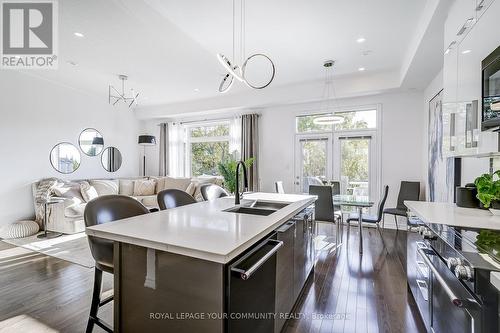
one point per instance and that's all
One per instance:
(375, 146)
(190, 140)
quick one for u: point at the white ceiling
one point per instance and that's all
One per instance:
(168, 47)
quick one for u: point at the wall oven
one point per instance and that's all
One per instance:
(449, 281)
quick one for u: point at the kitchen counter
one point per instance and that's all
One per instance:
(450, 214)
(203, 230)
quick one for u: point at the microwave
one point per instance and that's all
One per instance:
(491, 91)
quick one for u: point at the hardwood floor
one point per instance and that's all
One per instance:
(353, 293)
(346, 294)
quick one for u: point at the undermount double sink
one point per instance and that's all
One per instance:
(258, 207)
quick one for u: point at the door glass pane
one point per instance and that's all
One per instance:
(354, 171)
(314, 162)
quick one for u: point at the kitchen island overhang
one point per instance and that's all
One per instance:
(172, 267)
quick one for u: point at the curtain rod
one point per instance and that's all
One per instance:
(210, 119)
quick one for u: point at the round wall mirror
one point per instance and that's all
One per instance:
(91, 142)
(111, 159)
(65, 158)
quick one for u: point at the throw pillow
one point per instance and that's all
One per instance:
(173, 183)
(105, 186)
(88, 192)
(127, 187)
(144, 187)
(68, 190)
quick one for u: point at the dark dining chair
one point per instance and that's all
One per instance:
(102, 210)
(278, 186)
(212, 192)
(372, 218)
(172, 198)
(407, 191)
(323, 207)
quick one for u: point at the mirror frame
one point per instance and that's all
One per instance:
(77, 150)
(80, 141)
(102, 156)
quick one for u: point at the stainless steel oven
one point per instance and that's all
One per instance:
(449, 280)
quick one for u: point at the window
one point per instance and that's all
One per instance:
(208, 144)
(353, 120)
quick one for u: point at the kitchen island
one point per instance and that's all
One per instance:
(211, 266)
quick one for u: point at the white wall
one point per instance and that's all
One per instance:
(37, 114)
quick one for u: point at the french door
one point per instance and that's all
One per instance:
(349, 157)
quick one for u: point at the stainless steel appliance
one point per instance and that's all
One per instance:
(251, 289)
(491, 91)
(449, 279)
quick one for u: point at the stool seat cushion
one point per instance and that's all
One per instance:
(19, 229)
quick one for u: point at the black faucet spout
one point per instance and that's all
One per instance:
(237, 194)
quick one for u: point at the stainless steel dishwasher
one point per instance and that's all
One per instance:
(251, 289)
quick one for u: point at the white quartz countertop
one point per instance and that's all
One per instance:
(450, 214)
(203, 230)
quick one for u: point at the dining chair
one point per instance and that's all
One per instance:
(407, 191)
(102, 210)
(212, 192)
(323, 207)
(172, 198)
(354, 217)
(278, 186)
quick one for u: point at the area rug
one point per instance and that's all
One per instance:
(73, 248)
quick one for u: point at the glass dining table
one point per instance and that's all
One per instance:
(358, 201)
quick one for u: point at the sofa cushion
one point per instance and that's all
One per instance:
(165, 183)
(144, 187)
(127, 187)
(68, 190)
(88, 192)
(75, 210)
(105, 186)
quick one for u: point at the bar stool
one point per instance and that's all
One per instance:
(172, 198)
(212, 192)
(102, 210)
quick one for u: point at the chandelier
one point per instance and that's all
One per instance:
(328, 104)
(235, 71)
(116, 96)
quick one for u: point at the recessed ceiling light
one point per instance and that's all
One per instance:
(466, 51)
(196, 90)
(79, 34)
(361, 69)
(361, 40)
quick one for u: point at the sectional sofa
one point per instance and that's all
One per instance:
(67, 216)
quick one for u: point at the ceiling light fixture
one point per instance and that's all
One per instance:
(79, 34)
(238, 72)
(361, 69)
(466, 51)
(115, 96)
(329, 117)
(361, 40)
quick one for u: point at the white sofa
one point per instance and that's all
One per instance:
(67, 216)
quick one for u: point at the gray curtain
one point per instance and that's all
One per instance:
(163, 171)
(250, 147)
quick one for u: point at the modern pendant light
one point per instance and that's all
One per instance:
(238, 72)
(327, 107)
(115, 96)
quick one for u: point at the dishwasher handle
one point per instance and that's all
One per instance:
(451, 295)
(246, 274)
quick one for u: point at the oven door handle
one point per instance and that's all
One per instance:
(451, 295)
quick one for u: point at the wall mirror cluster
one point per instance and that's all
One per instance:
(66, 158)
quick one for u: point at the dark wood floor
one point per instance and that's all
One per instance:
(353, 293)
(346, 294)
